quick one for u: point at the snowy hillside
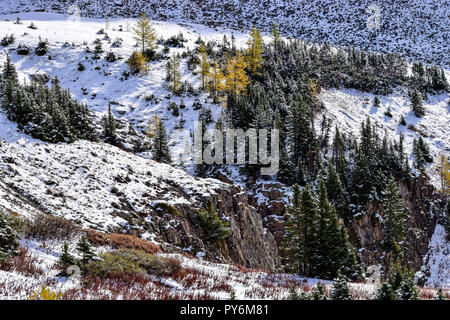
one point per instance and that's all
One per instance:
(102, 187)
(418, 29)
(103, 81)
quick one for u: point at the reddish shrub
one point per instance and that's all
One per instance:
(23, 263)
(121, 241)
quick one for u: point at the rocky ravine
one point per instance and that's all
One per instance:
(104, 188)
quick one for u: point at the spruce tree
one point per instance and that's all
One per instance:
(84, 248)
(275, 36)
(417, 104)
(294, 234)
(8, 239)
(340, 290)
(394, 218)
(301, 137)
(174, 74)
(318, 293)
(160, 148)
(66, 260)
(440, 295)
(109, 127)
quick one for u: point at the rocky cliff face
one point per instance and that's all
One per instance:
(423, 208)
(250, 244)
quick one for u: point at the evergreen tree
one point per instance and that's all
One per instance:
(340, 289)
(160, 149)
(394, 218)
(376, 102)
(293, 294)
(174, 75)
(318, 293)
(440, 295)
(336, 193)
(109, 127)
(417, 104)
(301, 138)
(275, 36)
(8, 240)
(419, 159)
(399, 285)
(144, 33)
(84, 248)
(66, 260)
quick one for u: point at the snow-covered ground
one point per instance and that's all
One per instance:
(418, 29)
(197, 279)
(437, 261)
(101, 81)
(80, 174)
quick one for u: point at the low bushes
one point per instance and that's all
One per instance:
(121, 241)
(132, 262)
(47, 227)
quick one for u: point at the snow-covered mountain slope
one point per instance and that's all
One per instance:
(349, 108)
(101, 81)
(76, 181)
(418, 29)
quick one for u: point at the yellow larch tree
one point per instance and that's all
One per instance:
(253, 54)
(236, 79)
(152, 127)
(144, 33)
(216, 83)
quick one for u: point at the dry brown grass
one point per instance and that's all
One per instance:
(23, 263)
(121, 241)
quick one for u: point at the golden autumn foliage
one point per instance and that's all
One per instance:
(144, 33)
(314, 88)
(253, 54)
(216, 83)
(152, 126)
(137, 63)
(444, 172)
(236, 79)
(45, 294)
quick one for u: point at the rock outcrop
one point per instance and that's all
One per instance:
(423, 208)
